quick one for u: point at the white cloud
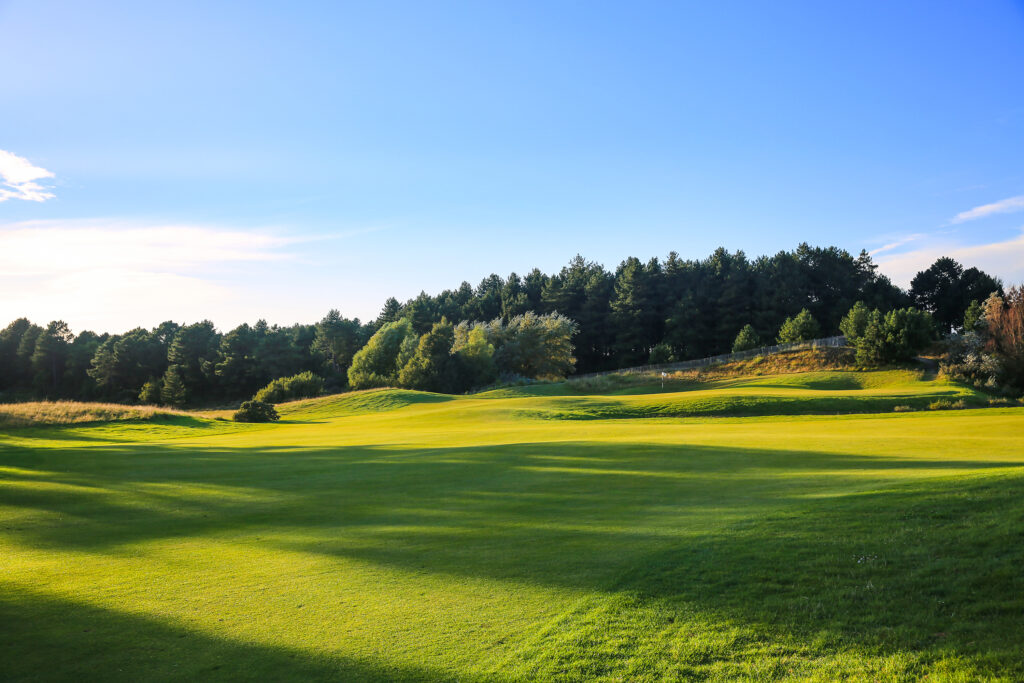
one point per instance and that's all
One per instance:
(109, 276)
(1002, 259)
(1010, 205)
(59, 246)
(897, 243)
(18, 179)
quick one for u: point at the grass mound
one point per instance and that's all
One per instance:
(807, 393)
(357, 403)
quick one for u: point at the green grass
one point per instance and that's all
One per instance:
(394, 535)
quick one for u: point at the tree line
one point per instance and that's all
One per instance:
(653, 311)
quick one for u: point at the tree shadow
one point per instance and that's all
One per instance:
(813, 549)
(93, 643)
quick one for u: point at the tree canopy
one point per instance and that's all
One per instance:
(583, 318)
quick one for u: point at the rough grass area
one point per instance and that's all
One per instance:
(400, 536)
(71, 412)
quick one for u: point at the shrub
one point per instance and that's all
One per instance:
(974, 317)
(378, 363)
(173, 392)
(746, 339)
(150, 393)
(1004, 323)
(660, 354)
(801, 327)
(476, 352)
(302, 385)
(433, 367)
(855, 322)
(902, 409)
(256, 411)
(897, 336)
(538, 346)
(946, 404)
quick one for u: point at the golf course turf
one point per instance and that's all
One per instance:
(775, 527)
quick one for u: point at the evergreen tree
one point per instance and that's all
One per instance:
(855, 322)
(746, 339)
(945, 290)
(194, 352)
(173, 392)
(50, 355)
(391, 312)
(974, 317)
(150, 392)
(236, 365)
(637, 315)
(10, 340)
(338, 339)
(799, 328)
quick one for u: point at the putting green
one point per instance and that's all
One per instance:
(742, 529)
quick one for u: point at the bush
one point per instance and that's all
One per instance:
(378, 363)
(855, 322)
(897, 336)
(150, 392)
(256, 411)
(801, 327)
(660, 354)
(172, 391)
(945, 404)
(433, 367)
(302, 385)
(746, 339)
(476, 352)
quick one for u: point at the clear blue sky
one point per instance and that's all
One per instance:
(239, 160)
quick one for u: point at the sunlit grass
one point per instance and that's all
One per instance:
(394, 535)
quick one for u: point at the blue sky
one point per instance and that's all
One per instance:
(244, 160)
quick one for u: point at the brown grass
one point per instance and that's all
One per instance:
(73, 412)
(786, 362)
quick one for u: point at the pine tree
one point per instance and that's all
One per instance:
(799, 328)
(173, 391)
(855, 322)
(746, 339)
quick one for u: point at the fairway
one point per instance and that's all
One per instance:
(789, 526)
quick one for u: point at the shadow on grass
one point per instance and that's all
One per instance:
(810, 552)
(744, 406)
(99, 644)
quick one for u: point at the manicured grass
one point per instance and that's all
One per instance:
(393, 535)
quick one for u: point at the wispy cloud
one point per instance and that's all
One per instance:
(18, 178)
(895, 244)
(1004, 259)
(107, 275)
(1010, 205)
(31, 247)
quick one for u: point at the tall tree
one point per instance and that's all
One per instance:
(193, 354)
(50, 355)
(945, 290)
(338, 339)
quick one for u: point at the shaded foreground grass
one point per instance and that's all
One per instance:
(454, 539)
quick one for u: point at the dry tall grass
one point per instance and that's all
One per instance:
(72, 412)
(782, 363)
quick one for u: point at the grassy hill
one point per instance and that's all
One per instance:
(765, 526)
